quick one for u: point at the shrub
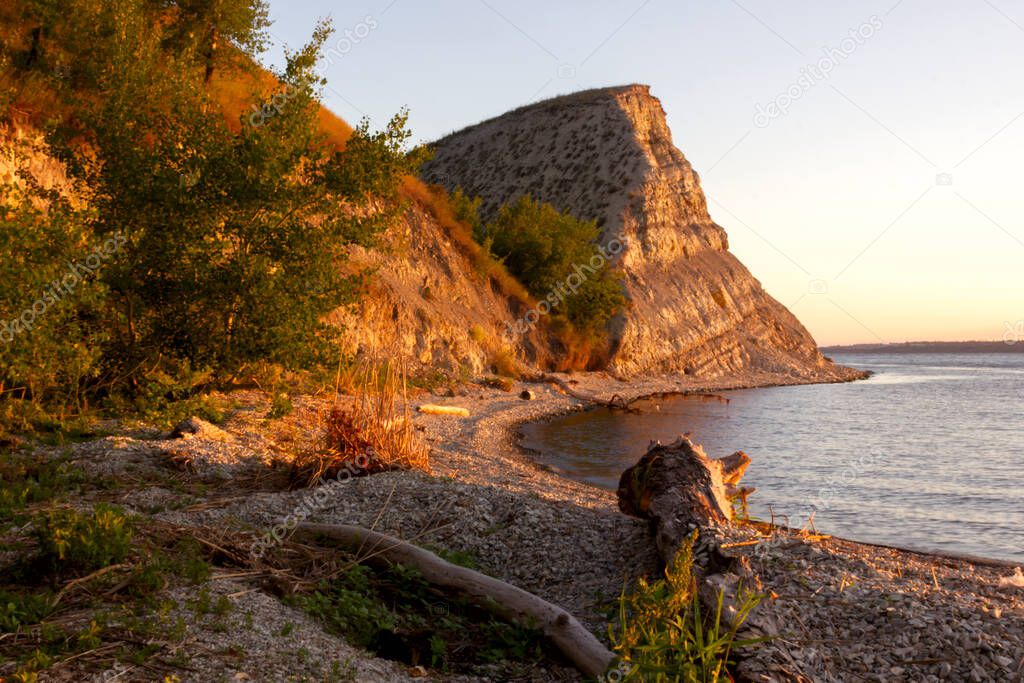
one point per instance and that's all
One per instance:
(52, 324)
(551, 254)
(663, 635)
(28, 479)
(74, 542)
(467, 211)
(18, 609)
(227, 234)
(397, 614)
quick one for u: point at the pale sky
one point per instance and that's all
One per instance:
(885, 203)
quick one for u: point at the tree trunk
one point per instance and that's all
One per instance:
(681, 490)
(33, 51)
(568, 635)
(211, 53)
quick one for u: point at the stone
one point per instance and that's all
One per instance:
(197, 428)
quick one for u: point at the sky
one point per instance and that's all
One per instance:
(864, 157)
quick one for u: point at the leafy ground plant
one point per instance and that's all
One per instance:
(395, 613)
(664, 635)
(72, 541)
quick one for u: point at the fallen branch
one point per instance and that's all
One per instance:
(85, 579)
(617, 402)
(568, 635)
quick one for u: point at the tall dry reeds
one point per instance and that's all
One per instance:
(372, 432)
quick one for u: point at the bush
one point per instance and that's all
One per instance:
(555, 256)
(394, 612)
(221, 238)
(78, 542)
(467, 211)
(375, 434)
(26, 479)
(52, 323)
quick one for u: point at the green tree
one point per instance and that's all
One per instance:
(51, 303)
(202, 27)
(233, 234)
(556, 257)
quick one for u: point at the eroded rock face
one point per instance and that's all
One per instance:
(427, 304)
(608, 155)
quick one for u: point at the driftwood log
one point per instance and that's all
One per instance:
(565, 632)
(681, 490)
(617, 402)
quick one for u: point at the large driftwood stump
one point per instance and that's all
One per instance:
(681, 490)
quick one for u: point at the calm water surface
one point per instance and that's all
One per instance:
(928, 453)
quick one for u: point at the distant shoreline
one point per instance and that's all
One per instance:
(930, 347)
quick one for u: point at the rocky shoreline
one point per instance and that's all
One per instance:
(838, 610)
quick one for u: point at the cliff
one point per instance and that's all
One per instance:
(608, 155)
(429, 304)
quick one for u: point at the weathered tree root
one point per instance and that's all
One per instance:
(565, 632)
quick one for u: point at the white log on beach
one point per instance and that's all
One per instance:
(431, 409)
(574, 641)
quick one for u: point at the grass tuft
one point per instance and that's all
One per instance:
(374, 434)
(664, 635)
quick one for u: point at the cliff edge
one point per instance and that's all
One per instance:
(607, 154)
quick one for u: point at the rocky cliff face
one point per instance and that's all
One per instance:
(428, 304)
(608, 155)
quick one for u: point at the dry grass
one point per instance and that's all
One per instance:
(374, 433)
(435, 201)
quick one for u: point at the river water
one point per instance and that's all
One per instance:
(928, 453)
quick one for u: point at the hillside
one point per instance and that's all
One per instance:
(1010, 345)
(608, 155)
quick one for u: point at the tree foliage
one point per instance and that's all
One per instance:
(230, 234)
(557, 257)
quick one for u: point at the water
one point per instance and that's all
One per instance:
(926, 454)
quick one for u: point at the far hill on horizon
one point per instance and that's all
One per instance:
(1008, 346)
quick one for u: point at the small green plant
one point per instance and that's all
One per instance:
(348, 605)
(397, 614)
(280, 406)
(27, 479)
(23, 609)
(458, 557)
(203, 604)
(72, 541)
(663, 634)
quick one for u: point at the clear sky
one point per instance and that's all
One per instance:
(880, 198)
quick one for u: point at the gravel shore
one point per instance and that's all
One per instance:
(838, 610)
